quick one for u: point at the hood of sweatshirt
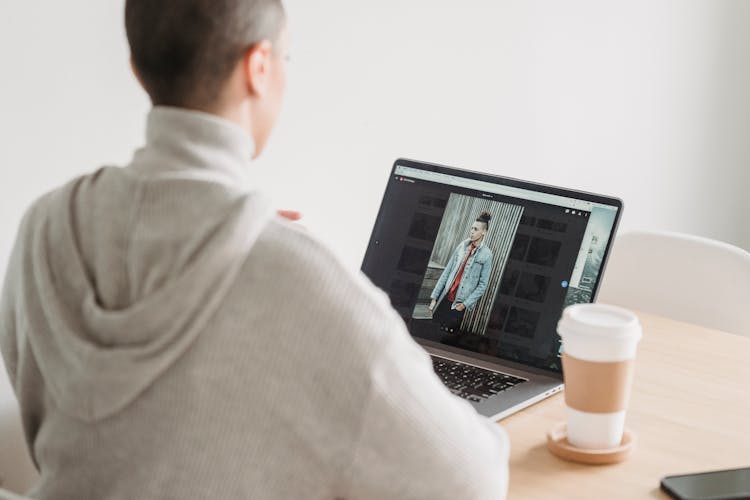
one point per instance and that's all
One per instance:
(122, 269)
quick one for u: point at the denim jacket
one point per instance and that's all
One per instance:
(474, 279)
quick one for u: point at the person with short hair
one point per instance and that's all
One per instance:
(464, 279)
(169, 335)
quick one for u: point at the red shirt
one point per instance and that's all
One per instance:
(457, 281)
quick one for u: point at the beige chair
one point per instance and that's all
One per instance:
(17, 472)
(7, 495)
(684, 277)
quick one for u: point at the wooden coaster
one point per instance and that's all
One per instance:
(557, 442)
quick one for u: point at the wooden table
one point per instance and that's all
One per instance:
(690, 409)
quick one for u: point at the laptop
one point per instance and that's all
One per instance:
(480, 268)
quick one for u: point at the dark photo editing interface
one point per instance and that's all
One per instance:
(483, 266)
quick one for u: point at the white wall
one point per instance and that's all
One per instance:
(645, 99)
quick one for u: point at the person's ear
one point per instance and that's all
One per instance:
(257, 66)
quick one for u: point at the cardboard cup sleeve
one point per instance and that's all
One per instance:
(597, 387)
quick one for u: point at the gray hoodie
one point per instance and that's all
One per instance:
(168, 336)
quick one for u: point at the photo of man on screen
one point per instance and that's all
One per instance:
(464, 280)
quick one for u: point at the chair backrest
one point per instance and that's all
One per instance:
(684, 277)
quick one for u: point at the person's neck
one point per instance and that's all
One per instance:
(189, 139)
(238, 113)
(478, 242)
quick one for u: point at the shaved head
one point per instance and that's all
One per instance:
(185, 50)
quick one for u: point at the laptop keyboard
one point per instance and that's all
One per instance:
(471, 382)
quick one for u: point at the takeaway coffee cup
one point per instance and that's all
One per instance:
(599, 344)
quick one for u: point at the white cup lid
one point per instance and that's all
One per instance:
(599, 320)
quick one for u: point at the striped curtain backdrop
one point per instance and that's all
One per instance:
(460, 214)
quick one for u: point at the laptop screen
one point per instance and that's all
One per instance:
(486, 264)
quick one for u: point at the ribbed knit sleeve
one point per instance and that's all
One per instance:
(417, 440)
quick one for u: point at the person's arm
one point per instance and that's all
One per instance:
(484, 278)
(418, 441)
(9, 290)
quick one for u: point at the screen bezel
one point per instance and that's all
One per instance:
(503, 181)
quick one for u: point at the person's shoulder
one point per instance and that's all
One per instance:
(305, 286)
(315, 273)
(295, 245)
(58, 201)
(45, 205)
(59, 194)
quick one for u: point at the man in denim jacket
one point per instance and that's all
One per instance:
(464, 279)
